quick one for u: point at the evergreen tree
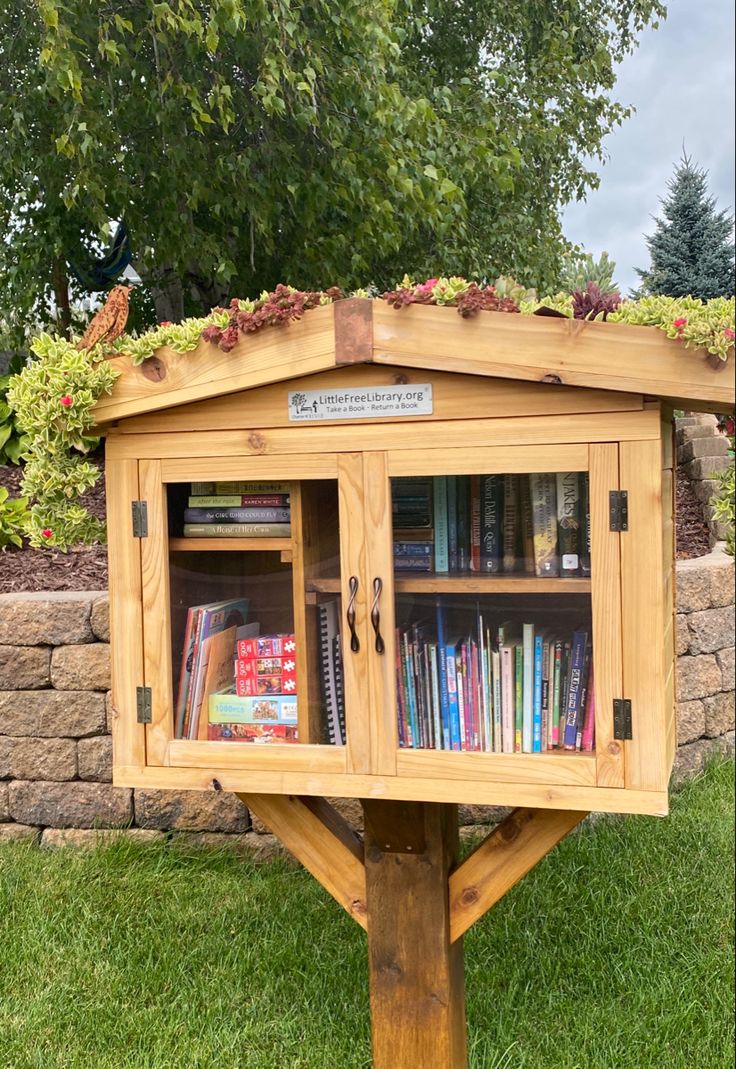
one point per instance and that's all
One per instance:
(691, 249)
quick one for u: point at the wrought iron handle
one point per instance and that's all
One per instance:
(353, 588)
(375, 614)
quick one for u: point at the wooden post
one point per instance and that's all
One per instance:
(416, 974)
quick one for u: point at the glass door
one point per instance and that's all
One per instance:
(243, 620)
(491, 592)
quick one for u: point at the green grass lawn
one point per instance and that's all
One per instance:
(615, 953)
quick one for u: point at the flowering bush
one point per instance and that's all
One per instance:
(54, 396)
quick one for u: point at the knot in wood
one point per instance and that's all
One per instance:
(358, 906)
(216, 785)
(553, 380)
(401, 380)
(509, 830)
(469, 896)
(154, 369)
(614, 748)
(257, 442)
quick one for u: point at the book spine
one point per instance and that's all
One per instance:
(575, 685)
(492, 523)
(497, 700)
(217, 489)
(545, 696)
(413, 549)
(544, 517)
(413, 564)
(237, 530)
(452, 698)
(208, 501)
(528, 712)
(237, 515)
(568, 521)
(537, 721)
(475, 701)
(461, 703)
(518, 697)
(507, 699)
(452, 522)
(587, 742)
(583, 698)
(185, 673)
(475, 523)
(584, 524)
(234, 709)
(526, 521)
(556, 694)
(441, 547)
(511, 527)
(439, 732)
(463, 523)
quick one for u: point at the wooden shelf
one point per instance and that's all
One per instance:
(467, 584)
(239, 545)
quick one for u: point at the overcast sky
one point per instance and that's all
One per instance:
(681, 82)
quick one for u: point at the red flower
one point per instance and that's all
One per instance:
(47, 533)
(729, 333)
(66, 400)
(680, 323)
(165, 323)
(428, 286)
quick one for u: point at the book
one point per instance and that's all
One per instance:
(475, 523)
(508, 692)
(527, 722)
(511, 525)
(518, 698)
(544, 521)
(537, 713)
(413, 549)
(574, 688)
(213, 618)
(200, 489)
(439, 511)
(237, 515)
(329, 629)
(413, 564)
(492, 532)
(452, 522)
(218, 669)
(556, 687)
(206, 501)
(568, 521)
(229, 708)
(185, 672)
(237, 530)
(526, 525)
(281, 645)
(587, 742)
(584, 524)
(463, 523)
(258, 734)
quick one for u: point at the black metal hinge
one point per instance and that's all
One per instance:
(622, 719)
(140, 519)
(618, 510)
(143, 705)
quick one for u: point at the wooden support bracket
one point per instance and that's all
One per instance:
(501, 859)
(323, 841)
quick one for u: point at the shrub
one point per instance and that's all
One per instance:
(13, 516)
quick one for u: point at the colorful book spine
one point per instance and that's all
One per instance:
(237, 515)
(492, 523)
(439, 519)
(442, 668)
(200, 489)
(236, 709)
(237, 530)
(208, 501)
(588, 735)
(584, 524)
(497, 700)
(266, 646)
(568, 521)
(544, 518)
(537, 718)
(556, 695)
(452, 697)
(475, 524)
(253, 733)
(511, 523)
(463, 523)
(575, 687)
(508, 688)
(452, 522)
(518, 697)
(413, 549)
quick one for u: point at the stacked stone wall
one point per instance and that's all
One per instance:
(703, 453)
(55, 711)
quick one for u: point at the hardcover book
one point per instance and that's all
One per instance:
(492, 523)
(237, 530)
(544, 519)
(237, 515)
(568, 521)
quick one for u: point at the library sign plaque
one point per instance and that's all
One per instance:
(361, 402)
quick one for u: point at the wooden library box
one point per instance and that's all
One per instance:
(400, 555)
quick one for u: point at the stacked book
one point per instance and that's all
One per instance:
(330, 672)
(413, 537)
(238, 510)
(261, 705)
(495, 689)
(535, 524)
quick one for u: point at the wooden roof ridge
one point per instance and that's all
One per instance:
(569, 352)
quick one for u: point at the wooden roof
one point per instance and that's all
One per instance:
(568, 352)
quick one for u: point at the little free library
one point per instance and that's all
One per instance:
(415, 559)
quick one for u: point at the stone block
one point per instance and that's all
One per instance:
(704, 468)
(81, 667)
(697, 677)
(52, 713)
(24, 667)
(4, 808)
(719, 714)
(690, 719)
(702, 447)
(725, 659)
(190, 811)
(110, 712)
(705, 489)
(6, 747)
(70, 805)
(350, 809)
(682, 634)
(19, 833)
(94, 759)
(690, 432)
(257, 847)
(692, 586)
(711, 629)
(99, 619)
(44, 759)
(484, 815)
(46, 619)
(690, 759)
(91, 838)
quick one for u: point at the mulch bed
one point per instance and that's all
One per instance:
(85, 568)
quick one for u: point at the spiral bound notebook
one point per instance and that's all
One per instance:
(331, 671)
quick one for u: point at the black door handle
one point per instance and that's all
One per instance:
(376, 615)
(353, 588)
